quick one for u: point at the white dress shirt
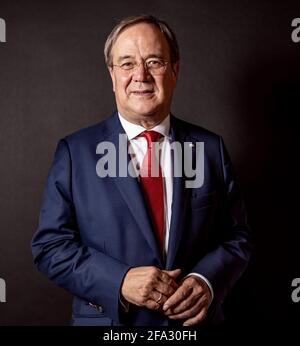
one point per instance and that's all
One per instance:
(137, 147)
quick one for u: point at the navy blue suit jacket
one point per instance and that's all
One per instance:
(92, 230)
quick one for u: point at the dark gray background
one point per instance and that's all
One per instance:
(240, 75)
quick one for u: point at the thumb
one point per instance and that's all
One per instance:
(173, 273)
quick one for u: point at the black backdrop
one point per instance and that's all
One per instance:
(240, 76)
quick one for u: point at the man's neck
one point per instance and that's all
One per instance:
(148, 124)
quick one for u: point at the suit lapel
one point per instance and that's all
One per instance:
(179, 203)
(130, 191)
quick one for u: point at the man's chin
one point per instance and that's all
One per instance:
(146, 112)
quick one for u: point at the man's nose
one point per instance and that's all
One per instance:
(141, 74)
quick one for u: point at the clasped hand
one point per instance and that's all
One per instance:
(157, 289)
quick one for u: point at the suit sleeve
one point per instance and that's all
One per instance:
(227, 261)
(59, 252)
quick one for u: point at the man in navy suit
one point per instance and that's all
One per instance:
(132, 250)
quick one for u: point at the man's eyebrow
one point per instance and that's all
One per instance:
(159, 56)
(123, 57)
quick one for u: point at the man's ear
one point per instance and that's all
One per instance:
(175, 69)
(112, 76)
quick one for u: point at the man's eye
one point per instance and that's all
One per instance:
(127, 65)
(154, 63)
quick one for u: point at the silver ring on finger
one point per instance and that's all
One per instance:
(159, 298)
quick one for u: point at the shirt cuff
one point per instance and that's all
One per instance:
(206, 281)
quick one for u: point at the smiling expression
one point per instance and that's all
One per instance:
(140, 95)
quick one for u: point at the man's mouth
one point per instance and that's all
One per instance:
(145, 91)
(142, 92)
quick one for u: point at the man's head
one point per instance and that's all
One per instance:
(143, 59)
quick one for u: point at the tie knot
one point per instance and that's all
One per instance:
(151, 136)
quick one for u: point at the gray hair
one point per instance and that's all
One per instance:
(129, 21)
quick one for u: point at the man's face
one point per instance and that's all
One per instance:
(140, 94)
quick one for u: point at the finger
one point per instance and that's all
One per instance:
(196, 319)
(158, 298)
(181, 294)
(197, 295)
(152, 305)
(196, 299)
(156, 302)
(173, 273)
(184, 305)
(164, 288)
(188, 313)
(202, 304)
(169, 277)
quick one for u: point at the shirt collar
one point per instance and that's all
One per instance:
(132, 130)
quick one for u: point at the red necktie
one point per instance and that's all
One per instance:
(152, 185)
